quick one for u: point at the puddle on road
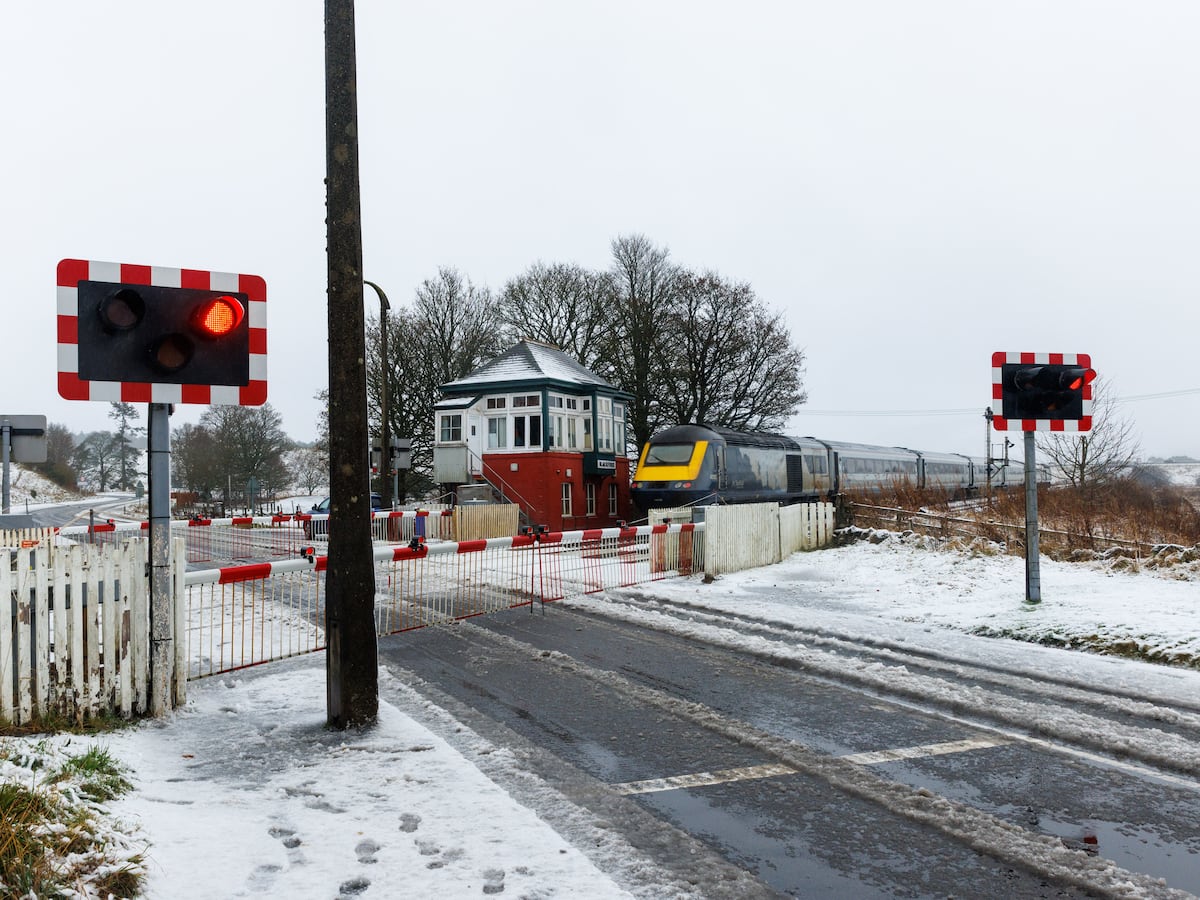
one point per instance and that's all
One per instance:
(1130, 846)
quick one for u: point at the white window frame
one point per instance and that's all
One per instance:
(527, 421)
(497, 436)
(589, 491)
(566, 498)
(612, 499)
(448, 424)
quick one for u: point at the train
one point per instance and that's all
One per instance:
(690, 465)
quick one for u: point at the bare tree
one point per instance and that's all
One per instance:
(249, 442)
(97, 459)
(310, 469)
(458, 328)
(733, 360)
(560, 304)
(1094, 457)
(450, 329)
(195, 460)
(60, 448)
(638, 343)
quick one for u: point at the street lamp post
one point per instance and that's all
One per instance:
(385, 450)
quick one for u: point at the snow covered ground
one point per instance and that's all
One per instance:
(244, 791)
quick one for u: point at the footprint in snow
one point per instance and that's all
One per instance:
(366, 850)
(493, 881)
(352, 888)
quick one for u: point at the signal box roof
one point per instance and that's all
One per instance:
(529, 364)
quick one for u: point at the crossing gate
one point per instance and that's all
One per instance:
(242, 616)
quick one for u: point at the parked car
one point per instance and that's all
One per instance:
(320, 527)
(322, 508)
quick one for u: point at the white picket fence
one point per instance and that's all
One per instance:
(75, 633)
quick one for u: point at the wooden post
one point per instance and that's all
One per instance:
(352, 659)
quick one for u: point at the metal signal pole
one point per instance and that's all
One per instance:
(1033, 568)
(352, 658)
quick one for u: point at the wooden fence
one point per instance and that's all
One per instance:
(487, 520)
(74, 630)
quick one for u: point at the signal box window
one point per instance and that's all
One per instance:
(612, 499)
(566, 498)
(591, 499)
(527, 431)
(451, 430)
(497, 433)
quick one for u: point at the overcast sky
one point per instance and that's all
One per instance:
(914, 184)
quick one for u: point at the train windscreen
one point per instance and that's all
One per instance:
(669, 454)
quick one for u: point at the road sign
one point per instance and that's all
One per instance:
(134, 333)
(1042, 391)
(27, 437)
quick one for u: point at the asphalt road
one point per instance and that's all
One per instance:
(756, 778)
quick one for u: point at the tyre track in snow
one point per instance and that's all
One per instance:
(1121, 727)
(984, 833)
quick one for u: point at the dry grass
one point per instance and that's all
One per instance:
(1121, 513)
(52, 842)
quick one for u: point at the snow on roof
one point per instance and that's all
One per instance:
(528, 362)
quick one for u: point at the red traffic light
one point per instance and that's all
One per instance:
(219, 316)
(1077, 378)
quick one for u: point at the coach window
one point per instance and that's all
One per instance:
(451, 430)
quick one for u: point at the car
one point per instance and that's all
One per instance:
(319, 528)
(322, 508)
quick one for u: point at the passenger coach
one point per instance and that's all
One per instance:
(696, 464)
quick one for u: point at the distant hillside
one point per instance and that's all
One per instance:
(27, 486)
(1183, 474)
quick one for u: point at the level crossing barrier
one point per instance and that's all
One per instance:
(269, 537)
(240, 616)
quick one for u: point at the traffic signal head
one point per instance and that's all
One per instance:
(1048, 391)
(154, 334)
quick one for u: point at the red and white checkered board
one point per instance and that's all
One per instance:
(1000, 358)
(72, 387)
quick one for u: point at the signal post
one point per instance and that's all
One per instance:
(1040, 392)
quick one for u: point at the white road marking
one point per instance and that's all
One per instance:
(883, 756)
(748, 773)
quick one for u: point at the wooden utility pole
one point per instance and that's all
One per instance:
(352, 658)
